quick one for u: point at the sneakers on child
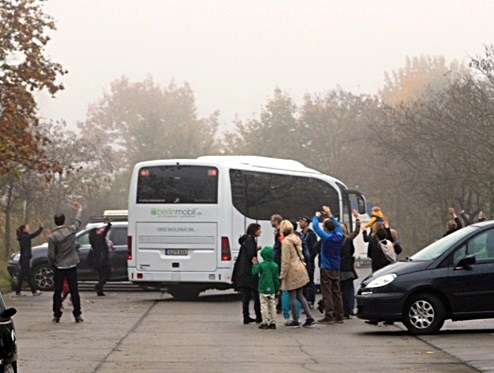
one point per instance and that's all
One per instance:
(309, 322)
(263, 326)
(272, 326)
(292, 324)
(36, 293)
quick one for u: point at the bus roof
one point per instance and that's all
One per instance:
(247, 162)
(257, 161)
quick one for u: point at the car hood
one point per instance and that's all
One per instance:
(398, 268)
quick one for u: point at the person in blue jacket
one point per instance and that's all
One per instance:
(332, 239)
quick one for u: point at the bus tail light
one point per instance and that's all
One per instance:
(226, 253)
(129, 247)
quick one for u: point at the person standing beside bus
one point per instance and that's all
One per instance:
(275, 223)
(332, 239)
(310, 238)
(99, 245)
(347, 270)
(242, 276)
(24, 238)
(63, 257)
(293, 274)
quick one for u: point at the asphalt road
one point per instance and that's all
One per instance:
(131, 330)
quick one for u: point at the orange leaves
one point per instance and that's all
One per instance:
(25, 24)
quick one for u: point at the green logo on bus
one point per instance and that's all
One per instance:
(174, 213)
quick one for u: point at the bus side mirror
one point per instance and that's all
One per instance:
(361, 205)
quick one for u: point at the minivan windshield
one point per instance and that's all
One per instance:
(437, 248)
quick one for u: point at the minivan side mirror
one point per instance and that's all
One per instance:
(8, 313)
(466, 262)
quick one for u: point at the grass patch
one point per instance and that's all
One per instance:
(5, 279)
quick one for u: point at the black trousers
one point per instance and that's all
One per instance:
(71, 275)
(247, 295)
(25, 274)
(104, 274)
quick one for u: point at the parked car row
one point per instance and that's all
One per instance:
(43, 273)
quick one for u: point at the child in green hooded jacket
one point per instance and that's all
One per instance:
(269, 286)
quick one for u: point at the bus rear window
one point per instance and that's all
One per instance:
(177, 184)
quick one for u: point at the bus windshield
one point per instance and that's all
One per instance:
(177, 184)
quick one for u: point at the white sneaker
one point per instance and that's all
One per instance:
(36, 293)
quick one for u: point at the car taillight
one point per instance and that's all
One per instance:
(226, 253)
(129, 247)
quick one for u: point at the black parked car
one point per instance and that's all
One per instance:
(43, 273)
(452, 278)
(8, 347)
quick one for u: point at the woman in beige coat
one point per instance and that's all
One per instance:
(293, 273)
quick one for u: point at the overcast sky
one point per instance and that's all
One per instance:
(234, 53)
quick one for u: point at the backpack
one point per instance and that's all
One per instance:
(388, 250)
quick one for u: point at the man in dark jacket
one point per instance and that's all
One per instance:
(310, 238)
(24, 238)
(63, 257)
(101, 256)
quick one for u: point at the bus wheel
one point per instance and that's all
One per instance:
(183, 293)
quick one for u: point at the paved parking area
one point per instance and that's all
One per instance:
(130, 331)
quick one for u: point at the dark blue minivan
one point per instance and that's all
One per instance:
(452, 278)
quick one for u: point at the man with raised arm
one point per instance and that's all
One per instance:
(63, 257)
(332, 239)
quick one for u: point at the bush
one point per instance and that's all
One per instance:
(5, 279)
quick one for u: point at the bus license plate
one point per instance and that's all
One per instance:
(176, 252)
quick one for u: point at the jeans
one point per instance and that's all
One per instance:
(285, 305)
(348, 295)
(25, 273)
(247, 295)
(310, 288)
(71, 275)
(298, 294)
(330, 289)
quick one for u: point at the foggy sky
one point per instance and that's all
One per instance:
(235, 52)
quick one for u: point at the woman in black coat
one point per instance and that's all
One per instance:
(242, 277)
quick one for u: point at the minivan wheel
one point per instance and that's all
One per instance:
(43, 276)
(424, 314)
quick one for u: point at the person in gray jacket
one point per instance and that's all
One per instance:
(63, 257)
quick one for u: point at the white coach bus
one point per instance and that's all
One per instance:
(186, 215)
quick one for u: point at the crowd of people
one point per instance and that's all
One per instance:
(283, 282)
(288, 267)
